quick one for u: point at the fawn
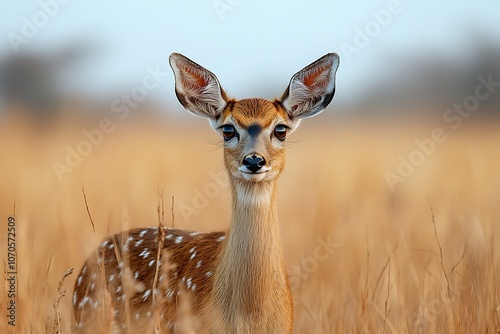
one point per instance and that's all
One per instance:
(236, 281)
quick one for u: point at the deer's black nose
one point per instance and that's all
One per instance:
(254, 162)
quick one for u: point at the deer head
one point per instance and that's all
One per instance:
(254, 130)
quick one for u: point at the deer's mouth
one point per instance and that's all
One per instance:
(253, 176)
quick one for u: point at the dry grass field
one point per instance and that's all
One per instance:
(362, 258)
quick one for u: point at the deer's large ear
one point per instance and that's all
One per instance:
(312, 88)
(197, 89)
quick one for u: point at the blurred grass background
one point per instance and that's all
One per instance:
(383, 268)
(391, 267)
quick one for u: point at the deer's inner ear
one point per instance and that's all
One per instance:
(312, 88)
(197, 89)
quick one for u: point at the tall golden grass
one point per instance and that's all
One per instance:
(423, 258)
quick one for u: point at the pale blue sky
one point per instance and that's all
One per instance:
(254, 47)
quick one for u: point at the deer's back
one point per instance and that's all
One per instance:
(129, 282)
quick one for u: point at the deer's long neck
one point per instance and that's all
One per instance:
(250, 272)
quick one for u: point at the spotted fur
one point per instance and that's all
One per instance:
(190, 260)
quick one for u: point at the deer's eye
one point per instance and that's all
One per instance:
(280, 132)
(228, 132)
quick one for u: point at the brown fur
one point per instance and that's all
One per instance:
(247, 290)
(237, 281)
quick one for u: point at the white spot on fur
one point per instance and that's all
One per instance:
(105, 243)
(136, 275)
(84, 301)
(198, 265)
(74, 298)
(137, 243)
(143, 232)
(178, 239)
(79, 280)
(146, 294)
(169, 236)
(219, 239)
(169, 294)
(152, 262)
(192, 256)
(111, 278)
(145, 253)
(208, 273)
